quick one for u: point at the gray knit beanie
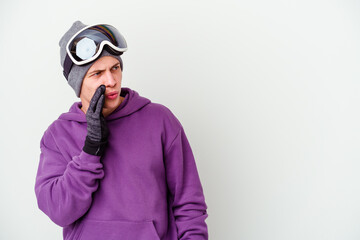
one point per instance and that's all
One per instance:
(77, 72)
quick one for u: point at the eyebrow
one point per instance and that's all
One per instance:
(98, 70)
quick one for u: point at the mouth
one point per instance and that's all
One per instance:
(112, 95)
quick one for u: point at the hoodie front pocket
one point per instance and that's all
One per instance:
(118, 230)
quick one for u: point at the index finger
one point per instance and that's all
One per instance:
(95, 98)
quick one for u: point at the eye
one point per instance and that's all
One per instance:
(116, 67)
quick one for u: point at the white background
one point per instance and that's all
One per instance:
(267, 92)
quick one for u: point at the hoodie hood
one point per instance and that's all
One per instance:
(133, 102)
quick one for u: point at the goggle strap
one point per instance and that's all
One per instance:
(67, 66)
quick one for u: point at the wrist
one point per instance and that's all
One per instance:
(96, 148)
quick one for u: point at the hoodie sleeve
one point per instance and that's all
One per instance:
(188, 201)
(64, 188)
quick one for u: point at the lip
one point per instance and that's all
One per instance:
(112, 95)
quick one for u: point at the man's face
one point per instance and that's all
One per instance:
(106, 70)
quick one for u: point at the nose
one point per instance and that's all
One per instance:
(109, 80)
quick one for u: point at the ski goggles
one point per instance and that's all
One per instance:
(88, 43)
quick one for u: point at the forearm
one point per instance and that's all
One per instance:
(190, 212)
(187, 197)
(65, 193)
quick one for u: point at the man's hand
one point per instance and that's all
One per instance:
(97, 130)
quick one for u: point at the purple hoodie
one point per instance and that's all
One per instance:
(145, 187)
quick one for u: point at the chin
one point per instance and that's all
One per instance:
(107, 110)
(111, 105)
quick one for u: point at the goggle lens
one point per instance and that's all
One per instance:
(86, 44)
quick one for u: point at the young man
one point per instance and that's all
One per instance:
(116, 166)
